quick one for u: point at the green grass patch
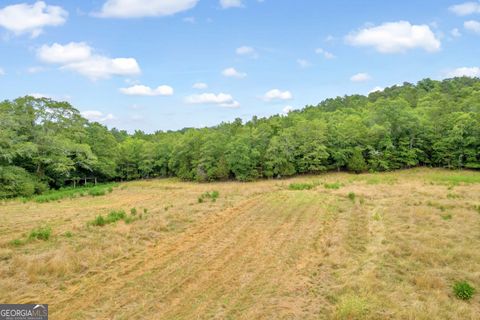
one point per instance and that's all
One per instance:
(213, 196)
(115, 216)
(40, 233)
(333, 186)
(463, 290)
(72, 193)
(301, 186)
(455, 179)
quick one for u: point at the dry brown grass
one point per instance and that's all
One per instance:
(260, 251)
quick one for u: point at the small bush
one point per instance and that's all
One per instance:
(68, 234)
(463, 290)
(351, 196)
(133, 211)
(99, 221)
(41, 233)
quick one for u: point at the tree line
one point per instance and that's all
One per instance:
(48, 144)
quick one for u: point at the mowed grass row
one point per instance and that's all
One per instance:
(400, 245)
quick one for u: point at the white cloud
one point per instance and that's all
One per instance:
(221, 99)
(2, 72)
(466, 8)
(79, 57)
(360, 77)
(31, 18)
(376, 89)
(303, 63)
(473, 72)
(472, 25)
(247, 51)
(63, 54)
(97, 116)
(233, 73)
(276, 94)
(396, 37)
(144, 8)
(455, 33)
(326, 54)
(200, 85)
(225, 4)
(141, 90)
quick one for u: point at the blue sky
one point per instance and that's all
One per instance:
(168, 64)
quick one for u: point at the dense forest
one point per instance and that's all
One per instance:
(48, 144)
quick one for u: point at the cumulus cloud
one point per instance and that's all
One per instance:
(97, 116)
(225, 4)
(360, 77)
(466, 8)
(63, 54)
(325, 53)
(233, 73)
(247, 51)
(276, 94)
(395, 37)
(221, 99)
(473, 26)
(141, 90)
(79, 57)
(200, 85)
(31, 18)
(472, 72)
(144, 8)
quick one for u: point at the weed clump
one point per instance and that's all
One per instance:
(41, 233)
(213, 196)
(133, 211)
(351, 196)
(463, 290)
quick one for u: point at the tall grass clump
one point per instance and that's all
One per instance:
(70, 192)
(334, 186)
(213, 196)
(40, 233)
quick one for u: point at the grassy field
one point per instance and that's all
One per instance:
(334, 246)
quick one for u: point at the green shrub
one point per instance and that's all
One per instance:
(96, 192)
(68, 234)
(99, 221)
(145, 210)
(351, 196)
(463, 290)
(41, 233)
(133, 211)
